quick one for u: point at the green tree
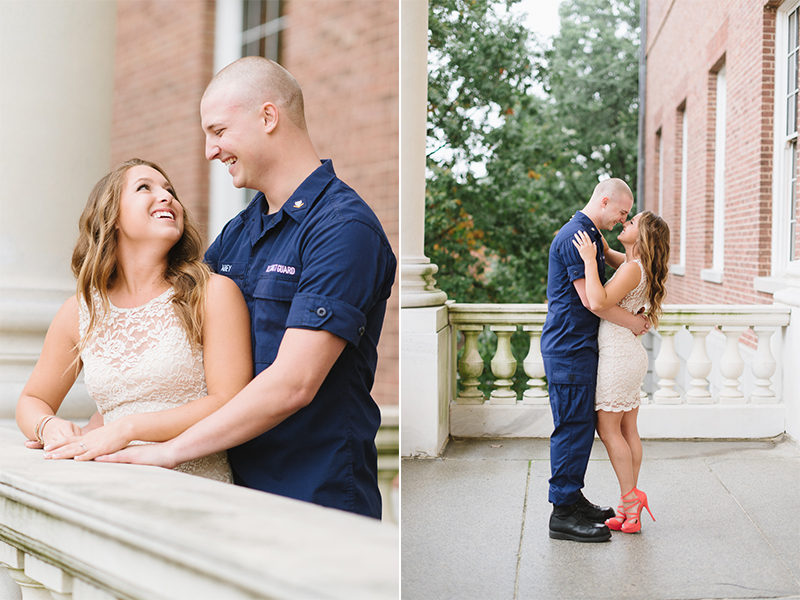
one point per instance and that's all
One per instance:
(592, 77)
(507, 167)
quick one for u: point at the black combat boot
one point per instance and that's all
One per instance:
(569, 523)
(596, 514)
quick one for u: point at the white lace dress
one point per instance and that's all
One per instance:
(140, 360)
(622, 360)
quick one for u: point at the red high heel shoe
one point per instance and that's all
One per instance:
(615, 522)
(633, 513)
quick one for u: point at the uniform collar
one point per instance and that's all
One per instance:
(307, 194)
(296, 207)
(588, 224)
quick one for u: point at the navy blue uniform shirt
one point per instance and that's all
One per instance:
(322, 262)
(570, 326)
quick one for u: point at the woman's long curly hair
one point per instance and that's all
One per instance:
(94, 259)
(653, 244)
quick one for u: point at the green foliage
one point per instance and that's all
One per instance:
(593, 79)
(507, 166)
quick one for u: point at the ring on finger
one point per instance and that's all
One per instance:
(84, 447)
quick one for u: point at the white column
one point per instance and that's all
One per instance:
(57, 73)
(426, 367)
(417, 283)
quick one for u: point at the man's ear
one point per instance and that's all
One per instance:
(270, 116)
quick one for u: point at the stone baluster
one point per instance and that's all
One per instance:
(667, 366)
(470, 367)
(504, 365)
(536, 393)
(53, 578)
(14, 561)
(764, 366)
(699, 366)
(731, 366)
(9, 590)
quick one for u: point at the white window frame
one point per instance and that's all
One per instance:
(714, 274)
(680, 268)
(660, 172)
(783, 270)
(225, 201)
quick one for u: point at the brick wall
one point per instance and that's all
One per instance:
(687, 42)
(345, 55)
(163, 62)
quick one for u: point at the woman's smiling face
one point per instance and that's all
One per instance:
(148, 208)
(630, 231)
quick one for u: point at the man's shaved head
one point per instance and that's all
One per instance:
(615, 189)
(254, 80)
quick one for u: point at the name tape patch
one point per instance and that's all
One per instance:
(284, 269)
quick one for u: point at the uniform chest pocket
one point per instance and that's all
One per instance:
(274, 286)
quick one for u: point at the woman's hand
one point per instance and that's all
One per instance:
(55, 431)
(586, 247)
(103, 440)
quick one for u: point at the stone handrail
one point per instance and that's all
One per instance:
(93, 531)
(503, 320)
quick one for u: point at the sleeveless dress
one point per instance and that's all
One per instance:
(622, 360)
(140, 360)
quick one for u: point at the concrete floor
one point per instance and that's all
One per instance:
(474, 524)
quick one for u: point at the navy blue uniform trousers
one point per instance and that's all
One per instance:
(571, 382)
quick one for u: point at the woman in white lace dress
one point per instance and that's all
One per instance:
(163, 342)
(622, 360)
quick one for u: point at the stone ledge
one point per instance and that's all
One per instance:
(150, 533)
(681, 421)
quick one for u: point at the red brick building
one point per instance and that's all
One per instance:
(720, 135)
(344, 54)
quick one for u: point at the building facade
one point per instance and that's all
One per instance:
(720, 140)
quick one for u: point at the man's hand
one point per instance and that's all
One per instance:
(641, 324)
(160, 455)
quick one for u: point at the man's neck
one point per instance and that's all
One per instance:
(290, 176)
(592, 217)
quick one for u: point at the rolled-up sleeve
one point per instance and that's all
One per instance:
(347, 270)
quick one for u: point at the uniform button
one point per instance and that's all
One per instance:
(571, 378)
(361, 330)
(321, 312)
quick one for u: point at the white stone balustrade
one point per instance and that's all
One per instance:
(691, 393)
(90, 531)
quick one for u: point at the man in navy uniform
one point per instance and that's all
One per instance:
(569, 350)
(316, 270)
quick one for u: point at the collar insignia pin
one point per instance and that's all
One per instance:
(299, 204)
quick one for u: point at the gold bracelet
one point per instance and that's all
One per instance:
(38, 424)
(40, 429)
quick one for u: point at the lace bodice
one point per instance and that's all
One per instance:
(634, 300)
(622, 360)
(140, 360)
